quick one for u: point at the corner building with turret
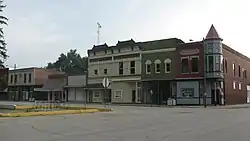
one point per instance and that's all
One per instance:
(170, 71)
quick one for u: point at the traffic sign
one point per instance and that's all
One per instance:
(105, 82)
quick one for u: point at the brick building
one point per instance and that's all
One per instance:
(196, 73)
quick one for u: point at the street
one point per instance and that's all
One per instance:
(133, 124)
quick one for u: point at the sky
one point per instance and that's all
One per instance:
(39, 31)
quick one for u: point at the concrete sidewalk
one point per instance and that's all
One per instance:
(130, 105)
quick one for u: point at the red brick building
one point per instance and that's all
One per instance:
(226, 72)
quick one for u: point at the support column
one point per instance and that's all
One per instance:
(136, 92)
(215, 91)
(49, 96)
(53, 96)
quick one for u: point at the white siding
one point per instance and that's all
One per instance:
(71, 94)
(77, 80)
(80, 94)
(126, 88)
(76, 94)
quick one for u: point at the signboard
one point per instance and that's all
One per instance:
(187, 92)
(105, 82)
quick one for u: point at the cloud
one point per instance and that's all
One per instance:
(30, 35)
(134, 5)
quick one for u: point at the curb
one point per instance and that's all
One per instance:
(80, 110)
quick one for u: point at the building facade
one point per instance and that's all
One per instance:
(76, 89)
(194, 73)
(21, 82)
(188, 85)
(158, 69)
(121, 64)
(4, 83)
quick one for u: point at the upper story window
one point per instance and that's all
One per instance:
(225, 63)
(234, 69)
(148, 64)
(167, 63)
(239, 71)
(217, 63)
(24, 78)
(244, 73)
(29, 77)
(11, 78)
(120, 68)
(157, 66)
(105, 71)
(15, 78)
(132, 67)
(210, 63)
(96, 72)
(195, 64)
(184, 65)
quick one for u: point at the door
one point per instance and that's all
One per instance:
(248, 93)
(133, 96)
(216, 96)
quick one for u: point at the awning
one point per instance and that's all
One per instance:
(52, 85)
(95, 86)
(74, 86)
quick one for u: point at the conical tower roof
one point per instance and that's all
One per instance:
(212, 34)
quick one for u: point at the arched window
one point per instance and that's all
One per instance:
(157, 66)
(167, 63)
(148, 66)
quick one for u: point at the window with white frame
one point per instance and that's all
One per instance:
(167, 63)
(194, 64)
(157, 66)
(234, 69)
(217, 63)
(185, 65)
(234, 85)
(240, 86)
(118, 94)
(148, 66)
(96, 94)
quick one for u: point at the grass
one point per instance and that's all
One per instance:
(24, 111)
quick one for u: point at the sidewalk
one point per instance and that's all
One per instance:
(94, 105)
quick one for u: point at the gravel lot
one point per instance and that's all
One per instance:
(133, 124)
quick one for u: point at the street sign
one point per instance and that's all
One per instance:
(105, 82)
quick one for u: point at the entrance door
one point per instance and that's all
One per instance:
(216, 96)
(248, 93)
(133, 96)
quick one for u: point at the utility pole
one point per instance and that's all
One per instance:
(98, 32)
(15, 82)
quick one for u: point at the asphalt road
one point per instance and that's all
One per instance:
(133, 124)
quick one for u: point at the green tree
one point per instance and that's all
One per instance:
(71, 63)
(3, 21)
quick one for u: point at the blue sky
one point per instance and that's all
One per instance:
(39, 30)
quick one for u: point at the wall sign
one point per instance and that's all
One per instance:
(187, 92)
(190, 51)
